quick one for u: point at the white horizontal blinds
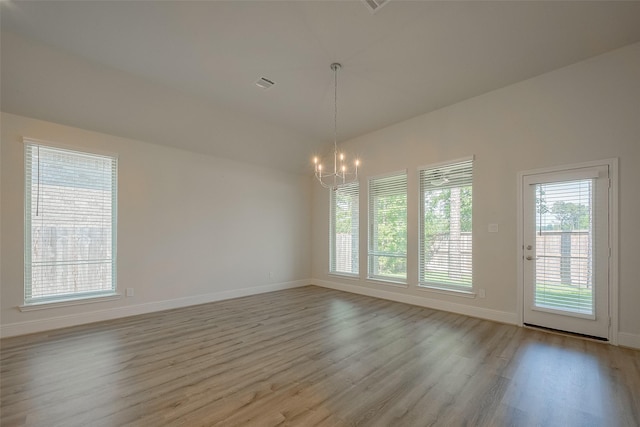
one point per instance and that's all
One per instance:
(445, 255)
(345, 229)
(565, 246)
(388, 227)
(70, 223)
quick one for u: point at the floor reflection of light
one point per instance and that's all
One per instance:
(341, 311)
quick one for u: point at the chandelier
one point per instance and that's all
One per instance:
(341, 174)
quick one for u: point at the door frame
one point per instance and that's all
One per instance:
(613, 237)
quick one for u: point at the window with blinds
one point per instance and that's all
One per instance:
(445, 225)
(70, 217)
(388, 227)
(344, 256)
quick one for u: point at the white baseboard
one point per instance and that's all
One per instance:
(482, 313)
(41, 325)
(33, 326)
(629, 340)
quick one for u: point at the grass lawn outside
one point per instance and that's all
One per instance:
(564, 297)
(445, 279)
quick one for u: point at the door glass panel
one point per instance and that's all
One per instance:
(564, 246)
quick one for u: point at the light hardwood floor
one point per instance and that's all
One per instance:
(313, 356)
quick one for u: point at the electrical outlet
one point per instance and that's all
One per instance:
(493, 228)
(271, 275)
(129, 292)
(482, 293)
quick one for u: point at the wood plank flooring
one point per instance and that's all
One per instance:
(311, 356)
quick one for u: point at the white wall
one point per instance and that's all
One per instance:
(587, 111)
(191, 228)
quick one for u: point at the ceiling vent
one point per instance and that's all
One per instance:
(375, 5)
(264, 83)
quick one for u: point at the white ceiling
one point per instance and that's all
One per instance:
(409, 58)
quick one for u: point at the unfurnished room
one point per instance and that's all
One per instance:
(319, 213)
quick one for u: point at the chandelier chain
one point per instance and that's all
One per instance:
(335, 107)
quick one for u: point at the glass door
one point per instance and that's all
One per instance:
(566, 250)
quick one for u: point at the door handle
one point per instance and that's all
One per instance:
(529, 257)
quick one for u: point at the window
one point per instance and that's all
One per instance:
(344, 229)
(445, 226)
(388, 228)
(70, 216)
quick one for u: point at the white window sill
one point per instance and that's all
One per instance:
(448, 291)
(68, 302)
(379, 281)
(344, 275)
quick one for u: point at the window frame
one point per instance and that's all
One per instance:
(435, 285)
(51, 301)
(332, 233)
(386, 279)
